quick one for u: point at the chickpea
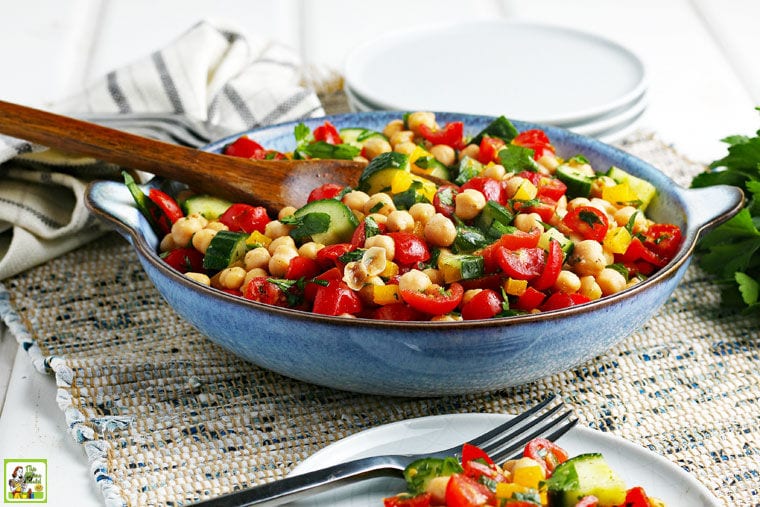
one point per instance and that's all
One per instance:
(184, 228)
(217, 226)
(590, 288)
(567, 282)
(281, 241)
(587, 258)
(447, 318)
(400, 221)
(384, 242)
(381, 203)
(402, 136)
(392, 127)
(257, 258)
(250, 275)
(610, 281)
(603, 206)
(495, 171)
(414, 280)
(202, 239)
(286, 212)
(469, 203)
(469, 294)
(444, 154)
(435, 275)
(624, 214)
(378, 218)
(527, 221)
(278, 264)
(374, 146)
(276, 229)
(167, 243)
(440, 230)
(406, 148)
(471, 151)
(419, 118)
(549, 160)
(513, 184)
(355, 200)
(422, 212)
(577, 202)
(310, 249)
(199, 277)
(232, 278)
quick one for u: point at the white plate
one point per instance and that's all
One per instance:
(660, 477)
(525, 71)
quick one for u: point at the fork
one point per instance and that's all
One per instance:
(499, 443)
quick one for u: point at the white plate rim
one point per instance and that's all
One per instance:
(370, 100)
(435, 426)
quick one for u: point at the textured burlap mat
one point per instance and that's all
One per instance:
(167, 417)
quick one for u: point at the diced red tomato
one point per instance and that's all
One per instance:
(421, 500)
(637, 251)
(262, 290)
(184, 260)
(167, 204)
(326, 191)
(636, 497)
(588, 501)
(396, 311)
(302, 267)
(471, 452)
(489, 149)
(489, 187)
(483, 305)
(561, 300)
(444, 200)
(310, 289)
(410, 249)
(663, 239)
(245, 147)
(327, 133)
(521, 239)
(536, 140)
(327, 257)
(529, 300)
(521, 264)
(552, 267)
(451, 135)
(435, 300)
(463, 491)
(588, 221)
(336, 298)
(544, 207)
(245, 218)
(551, 188)
(491, 281)
(546, 452)
(360, 234)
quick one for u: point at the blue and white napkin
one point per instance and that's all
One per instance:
(209, 73)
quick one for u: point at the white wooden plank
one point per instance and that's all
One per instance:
(734, 26)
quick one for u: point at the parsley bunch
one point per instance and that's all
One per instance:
(731, 251)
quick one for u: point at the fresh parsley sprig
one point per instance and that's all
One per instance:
(731, 251)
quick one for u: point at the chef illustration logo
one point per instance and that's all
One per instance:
(25, 481)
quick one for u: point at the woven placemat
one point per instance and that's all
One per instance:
(167, 417)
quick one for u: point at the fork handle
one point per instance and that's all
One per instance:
(298, 486)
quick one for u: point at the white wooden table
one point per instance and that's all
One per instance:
(701, 56)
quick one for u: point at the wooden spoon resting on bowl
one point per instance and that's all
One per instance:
(273, 184)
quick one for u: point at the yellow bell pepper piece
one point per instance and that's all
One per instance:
(515, 287)
(257, 239)
(391, 269)
(620, 195)
(385, 294)
(526, 191)
(617, 240)
(528, 472)
(507, 490)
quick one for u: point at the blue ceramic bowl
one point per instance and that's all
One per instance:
(426, 358)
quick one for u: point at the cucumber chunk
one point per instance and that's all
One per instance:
(208, 206)
(583, 475)
(501, 127)
(461, 267)
(356, 136)
(325, 221)
(578, 183)
(225, 249)
(495, 220)
(644, 190)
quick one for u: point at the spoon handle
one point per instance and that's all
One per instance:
(270, 183)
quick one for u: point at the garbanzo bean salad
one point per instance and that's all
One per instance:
(514, 228)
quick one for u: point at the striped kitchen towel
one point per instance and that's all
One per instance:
(210, 74)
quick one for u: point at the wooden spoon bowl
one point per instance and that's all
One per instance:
(273, 184)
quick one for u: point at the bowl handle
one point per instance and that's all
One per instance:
(709, 207)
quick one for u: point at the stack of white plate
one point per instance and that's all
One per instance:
(525, 71)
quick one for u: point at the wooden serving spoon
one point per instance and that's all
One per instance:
(273, 184)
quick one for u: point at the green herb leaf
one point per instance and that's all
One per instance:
(748, 287)
(517, 158)
(307, 225)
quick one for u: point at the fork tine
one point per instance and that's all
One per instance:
(509, 447)
(481, 440)
(533, 424)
